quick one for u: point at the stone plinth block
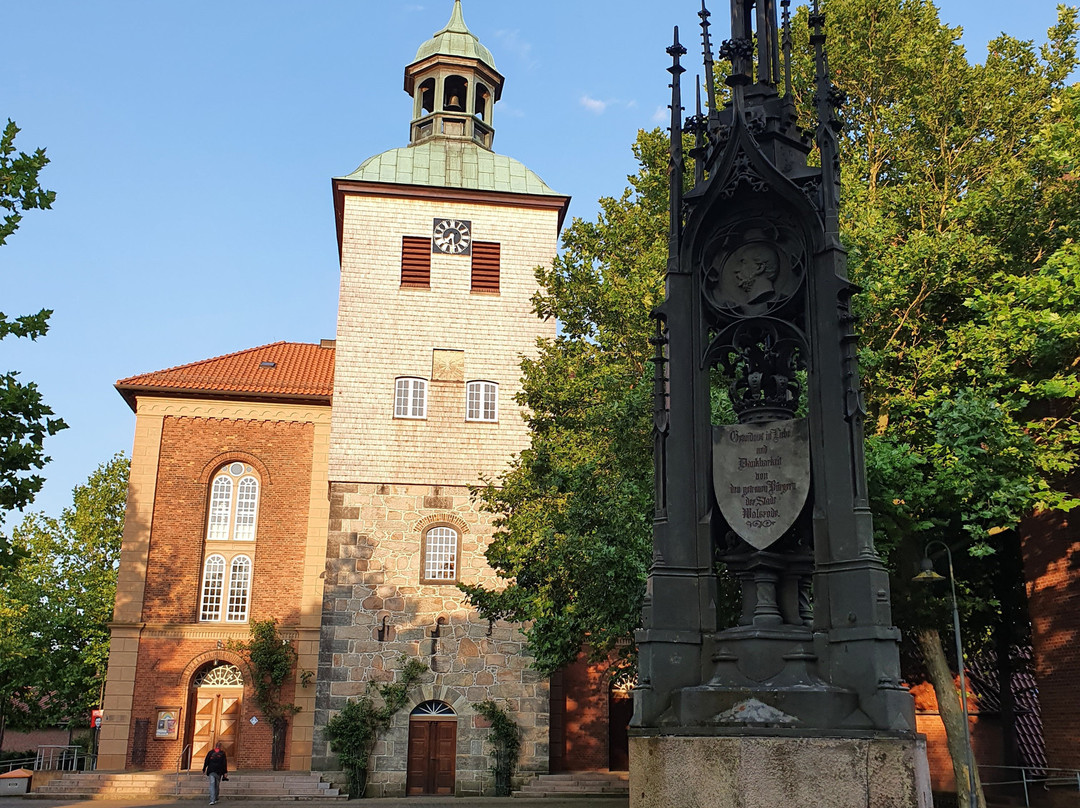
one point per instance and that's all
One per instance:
(778, 772)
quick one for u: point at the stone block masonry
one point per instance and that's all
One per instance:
(374, 572)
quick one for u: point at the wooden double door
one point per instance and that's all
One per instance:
(216, 713)
(432, 756)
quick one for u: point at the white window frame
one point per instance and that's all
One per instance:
(213, 589)
(410, 397)
(442, 545)
(219, 520)
(240, 569)
(233, 513)
(482, 401)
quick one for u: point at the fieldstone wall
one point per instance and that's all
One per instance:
(373, 583)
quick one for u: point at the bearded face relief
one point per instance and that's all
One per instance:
(755, 267)
(753, 272)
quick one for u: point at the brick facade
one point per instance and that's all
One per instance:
(160, 644)
(1052, 567)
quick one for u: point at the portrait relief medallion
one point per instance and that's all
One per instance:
(753, 268)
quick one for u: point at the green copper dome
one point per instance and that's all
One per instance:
(441, 164)
(455, 40)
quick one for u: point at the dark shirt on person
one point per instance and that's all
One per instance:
(216, 762)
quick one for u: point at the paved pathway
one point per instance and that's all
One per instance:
(409, 802)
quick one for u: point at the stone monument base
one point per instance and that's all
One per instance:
(778, 771)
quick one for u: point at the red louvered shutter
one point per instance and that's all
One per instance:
(485, 267)
(416, 262)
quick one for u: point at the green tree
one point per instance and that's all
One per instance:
(271, 661)
(960, 215)
(574, 515)
(57, 602)
(25, 420)
(354, 731)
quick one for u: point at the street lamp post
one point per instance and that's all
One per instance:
(927, 574)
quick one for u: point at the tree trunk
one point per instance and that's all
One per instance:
(278, 727)
(952, 715)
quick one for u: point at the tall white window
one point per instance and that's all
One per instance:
(220, 507)
(410, 398)
(481, 401)
(239, 589)
(234, 504)
(212, 588)
(440, 554)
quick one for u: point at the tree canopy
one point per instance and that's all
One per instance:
(25, 420)
(960, 216)
(57, 602)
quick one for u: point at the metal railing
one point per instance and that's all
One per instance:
(1031, 778)
(179, 764)
(63, 759)
(19, 763)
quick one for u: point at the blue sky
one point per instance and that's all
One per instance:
(192, 146)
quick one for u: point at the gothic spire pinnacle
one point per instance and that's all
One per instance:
(706, 44)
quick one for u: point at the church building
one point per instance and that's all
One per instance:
(328, 486)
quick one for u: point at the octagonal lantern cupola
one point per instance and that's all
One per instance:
(454, 86)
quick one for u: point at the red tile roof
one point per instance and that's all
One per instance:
(281, 370)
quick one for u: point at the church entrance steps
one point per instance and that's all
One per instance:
(602, 783)
(188, 785)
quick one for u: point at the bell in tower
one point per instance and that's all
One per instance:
(454, 85)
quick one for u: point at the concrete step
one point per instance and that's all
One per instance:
(584, 784)
(188, 785)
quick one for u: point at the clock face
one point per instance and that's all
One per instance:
(452, 236)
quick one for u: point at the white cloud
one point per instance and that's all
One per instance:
(510, 111)
(522, 49)
(661, 115)
(594, 105)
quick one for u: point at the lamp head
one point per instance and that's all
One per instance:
(927, 574)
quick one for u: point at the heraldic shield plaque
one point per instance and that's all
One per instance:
(761, 475)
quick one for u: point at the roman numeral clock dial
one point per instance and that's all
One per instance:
(452, 237)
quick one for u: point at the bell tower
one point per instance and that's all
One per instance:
(454, 86)
(438, 242)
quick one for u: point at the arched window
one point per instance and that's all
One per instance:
(481, 107)
(234, 504)
(410, 398)
(213, 587)
(433, 708)
(427, 96)
(441, 544)
(481, 401)
(239, 589)
(454, 94)
(223, 675)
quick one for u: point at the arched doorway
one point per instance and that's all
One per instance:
(432, 749)
(217, 695)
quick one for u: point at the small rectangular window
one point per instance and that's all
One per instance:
(416, 262)
(410, 398)
(481, 401)
(485, 267)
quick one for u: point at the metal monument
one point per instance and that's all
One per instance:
(758, 300)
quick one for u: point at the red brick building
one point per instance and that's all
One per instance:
(1052, 567)
(226, 523)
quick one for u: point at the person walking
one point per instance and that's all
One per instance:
(216, 766)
